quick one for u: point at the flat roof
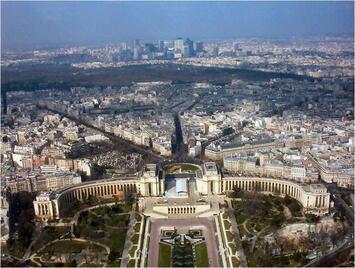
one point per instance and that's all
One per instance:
(210, 166)
(181, 185)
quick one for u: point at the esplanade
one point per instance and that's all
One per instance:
(178, 183)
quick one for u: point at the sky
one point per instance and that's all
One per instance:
(26, 25)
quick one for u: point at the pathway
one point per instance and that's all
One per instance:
(244, 225)
(256, 236)
(242, 258)
(108, 250)
(74, 220)
(37, 235)
(128, 242)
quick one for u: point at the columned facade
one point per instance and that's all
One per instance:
(46, 207)
(313, 197)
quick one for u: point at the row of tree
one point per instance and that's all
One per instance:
(21, 218)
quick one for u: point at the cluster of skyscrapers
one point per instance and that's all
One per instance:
(172, 49)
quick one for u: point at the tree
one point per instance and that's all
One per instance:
(93, 200)
(114, 255)
(73, 263)
(129, 198)
(277, 220)
(287, 244)
(237, 193)
(228, 131)
(21, 216)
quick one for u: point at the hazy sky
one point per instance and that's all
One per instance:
(28, 24)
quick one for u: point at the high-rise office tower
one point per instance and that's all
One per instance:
(215, 52)
(198, 46)
(161, 45)
(124, 46)
(188, 48)
(149, 47)
(136, 53)
(179, 45)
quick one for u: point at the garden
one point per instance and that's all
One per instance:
(107, 225)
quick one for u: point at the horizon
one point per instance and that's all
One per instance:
(38, 25)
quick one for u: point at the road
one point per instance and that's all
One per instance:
(113, 138)
(128, 242)
(180, 152)
(330, 259)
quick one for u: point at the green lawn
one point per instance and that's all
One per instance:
(114, 264)
(137, 227)
(101, 211)
(116, 219)
(227, 224)
(184, 167)
(233, 247)
(132, 251)
(131, 263)
(240, 217)
(201, 255)
(135, 238)
(117, 208)
(230, 236)
(164, 255)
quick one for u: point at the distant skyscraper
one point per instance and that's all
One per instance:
(215, 52)
(136, 53)
(149, 48)
(169, 44)
(187, 52)
(136, 43)
(188, 48)
(198, 46)
(124, 46)
(161, 45)
(179, 45)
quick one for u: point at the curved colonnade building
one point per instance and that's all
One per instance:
(313, 197)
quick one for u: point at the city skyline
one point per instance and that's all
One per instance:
(29, 25)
